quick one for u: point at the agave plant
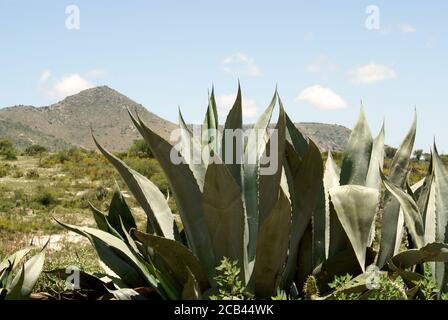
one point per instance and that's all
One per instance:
(352, 197)
(228, 210)
(17, 280)
(281, 228)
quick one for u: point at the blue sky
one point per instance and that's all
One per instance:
(168, 53)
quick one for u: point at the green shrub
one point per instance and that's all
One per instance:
(35, 150)
(140, 149)
(230, 287)
(8, 150)
(5, 170)
(46, 196)
(32, 174)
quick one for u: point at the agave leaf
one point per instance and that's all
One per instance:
(391, 211)
(355, 207)
(342, 263)
(177, 256)
(14, 259)
(306, 180)
(24, 282)
(299, 142)
(433, 252)
(373, 179)
(426, 194)
(186, 193)
(120, 213)
(147, 194)
(191, 289)
(233, 158)
(269, 184)
(305, 259)
(441, 215)
(272, 248)
(100, 218)
(253, 151)
(192, 152)
(331, 179)
(117, 256)
(126, 294)
(210, 127)
(355, 165)
(224, 215)
(412, 216)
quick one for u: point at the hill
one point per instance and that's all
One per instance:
(68, 122)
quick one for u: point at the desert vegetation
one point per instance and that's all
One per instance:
(367, 223)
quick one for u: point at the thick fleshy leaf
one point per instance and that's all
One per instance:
(358, 152)
(433, 252)
(441, 215)
(355, 207)
(269, 182)
(127, 294)
(191, 289)
(391, 210)
(272, 248)
(100, 218)
(412, 217)
(414, 191)
(117, 256)
(186, 193)
(178, 257)
(210, 126)
(192, 152)
(147, 194)
(305, 260)
(373, 179)
(331, 179)
(341, 264)
(24, 282)
(306, 180)
(232, 146)
(14, 259)
(256, 144)
(224, 215)
(120, 213)
(298, 140)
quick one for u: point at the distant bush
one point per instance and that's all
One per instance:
(46, 196)
(35, 150)
(32, 174)
(390, 152)
(8, 150)
(5, 170)
(140, 149)
(17, 173)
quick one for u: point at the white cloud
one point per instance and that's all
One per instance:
(225, 102)
(66, 86)
(322, 65)
(407, 28)
(322, 98)
(241, 64)
(45, 75)
(371, 73)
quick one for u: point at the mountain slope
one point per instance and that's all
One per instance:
(23, 136)
(104, 110)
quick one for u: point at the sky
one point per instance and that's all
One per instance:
(324, 57)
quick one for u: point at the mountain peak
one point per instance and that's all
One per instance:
(102, 108)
